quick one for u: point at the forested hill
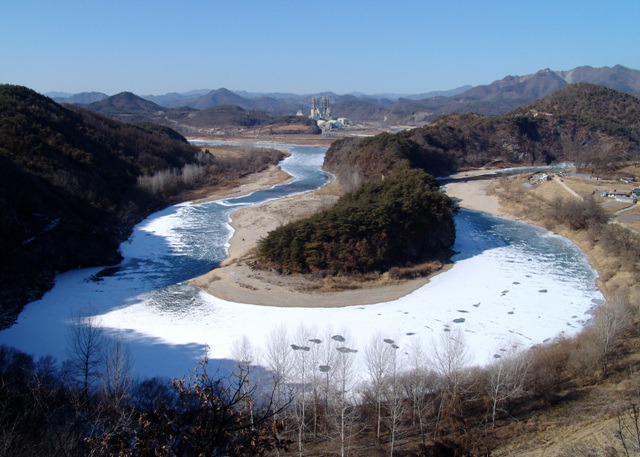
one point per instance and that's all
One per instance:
(590, 103)
(69, 187)
(397, 222)
(584, 123)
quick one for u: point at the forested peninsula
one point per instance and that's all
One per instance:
(401, 220)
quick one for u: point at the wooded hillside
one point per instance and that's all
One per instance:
(581, 123)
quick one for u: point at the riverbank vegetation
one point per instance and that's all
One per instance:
(393, 222)
(209, 171)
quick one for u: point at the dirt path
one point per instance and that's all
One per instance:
(567, 188)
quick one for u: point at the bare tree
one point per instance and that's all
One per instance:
(420, 385)
(301, 367)
(117, 377)
(316, 377)
(279, 360)
(628, 431)
(451, 360)
(344, 409)
(243, 375)
(208, 420)
(393, 393)
(351, 180)
(610, 321)
(248, 148)
(111, 417)
(377, 358)
(506, 378)
(327, 369)
(84, 348)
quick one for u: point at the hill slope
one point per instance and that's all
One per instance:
(128, 107)
(69, 189)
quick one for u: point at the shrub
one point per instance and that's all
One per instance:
(579, 215)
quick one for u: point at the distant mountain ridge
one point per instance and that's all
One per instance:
(83, 98)
(128, 107)
(618, 77)
(174, 98)
(496, 98)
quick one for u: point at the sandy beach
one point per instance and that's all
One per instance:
(236, 281)
(473, 195)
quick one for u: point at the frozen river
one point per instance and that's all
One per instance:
(511, 283)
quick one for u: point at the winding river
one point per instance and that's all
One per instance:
(512, 283)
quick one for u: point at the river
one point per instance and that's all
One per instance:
(512, 283)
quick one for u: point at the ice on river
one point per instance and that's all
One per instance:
(511, 282)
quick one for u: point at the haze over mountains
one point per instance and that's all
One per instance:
(496, 98)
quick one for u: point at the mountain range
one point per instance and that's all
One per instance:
(492, 99)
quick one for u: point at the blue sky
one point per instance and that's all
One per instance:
(155, 47)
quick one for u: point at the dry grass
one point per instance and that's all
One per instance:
(417, 271)
(395, 275)
(223, 151)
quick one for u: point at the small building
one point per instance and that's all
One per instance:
(539, 177)
(625, 199)
(628, 179)
(636, 191)
(601, 193)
